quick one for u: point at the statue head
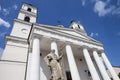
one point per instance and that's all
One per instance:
(50, 57)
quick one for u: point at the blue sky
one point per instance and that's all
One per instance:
(100, 18)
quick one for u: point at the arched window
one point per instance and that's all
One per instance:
(79, 26)
(29, 9)
(27, 18)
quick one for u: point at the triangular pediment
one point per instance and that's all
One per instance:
(69, 32)
(74, 33)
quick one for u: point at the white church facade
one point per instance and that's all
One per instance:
(29, 42)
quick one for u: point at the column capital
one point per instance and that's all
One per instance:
(98, 51)
(37, 36)
(85, 47)
(54, 39)
(68, 43)
(102, 51)
(95, 49)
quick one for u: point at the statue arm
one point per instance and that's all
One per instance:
(60, 57)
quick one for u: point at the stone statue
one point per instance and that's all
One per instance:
(55, 65)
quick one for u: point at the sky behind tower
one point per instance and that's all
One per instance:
(100, 18)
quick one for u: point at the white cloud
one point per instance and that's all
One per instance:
(94, 34)
(15, 6)
(4, 23)
(6, 11)
(116, 11)
(1, 51)
(83, 2)
(91, 34)
(102, 9)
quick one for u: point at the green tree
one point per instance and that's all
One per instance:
(119, 75)
(111, 78)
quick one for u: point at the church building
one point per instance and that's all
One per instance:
(29, 43)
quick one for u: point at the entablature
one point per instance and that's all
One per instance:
(44, 32)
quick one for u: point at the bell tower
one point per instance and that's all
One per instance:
(28, 13)
(23, 24)
(15, 55)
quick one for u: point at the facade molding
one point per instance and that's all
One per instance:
(28, 13)
(16, 40)
(68, 38)
(66, 29)
(12, 61)
(21, 21)
(76, 37)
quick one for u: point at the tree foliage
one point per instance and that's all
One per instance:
(119, 75)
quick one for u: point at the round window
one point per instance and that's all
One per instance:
(24, 31)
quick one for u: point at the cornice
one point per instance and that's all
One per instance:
(68, 35)
(16, 39)
(63, 37)
(67, 29)
(29, 13)
(61, 28)
(21, 21)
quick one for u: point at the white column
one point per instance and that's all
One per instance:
(35, 60)
(90, 64)
(72, 64)
(101, 66)
(54, 46)
(109, 66)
